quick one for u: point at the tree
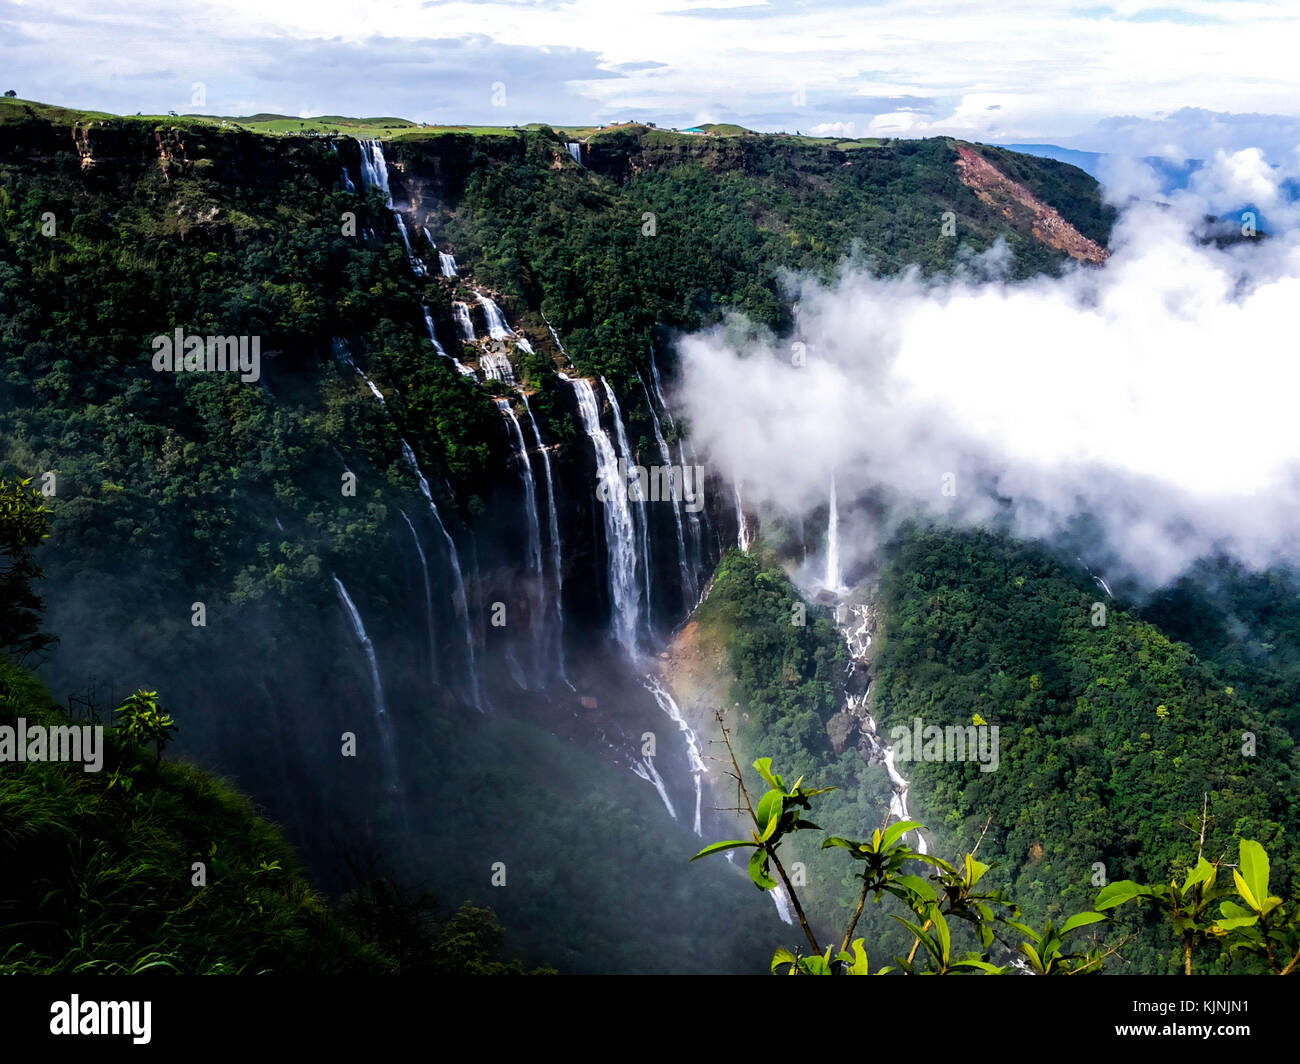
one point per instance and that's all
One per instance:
(24, 524)
(11, 93)
(143, 721)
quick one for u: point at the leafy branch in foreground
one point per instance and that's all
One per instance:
(1260, 925)
(952, 896)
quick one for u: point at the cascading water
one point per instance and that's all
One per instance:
(833, 541)
(620, 530)
(575, 149)
(496, 367)
(428, 599)
(374, 174)
(669, 705)
(382, 722)
(448, 264)
(498, 328)
(742, 526)
(645, 768)
(409, 456)
(642, 525)
(433, 335)
(530, 508)
(557, 553)
(464, 323)
(696, 564)
(689, 589)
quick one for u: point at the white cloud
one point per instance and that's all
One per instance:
(1155, 394)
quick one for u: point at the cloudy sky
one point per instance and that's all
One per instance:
(1132, 77)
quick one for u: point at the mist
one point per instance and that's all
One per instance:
(1154, 395)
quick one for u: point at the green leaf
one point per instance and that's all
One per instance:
(941, 929)
(1243, 888)
(1118, 893)
(1080, 920)
(768, 813)
(764, 767)
(783, 956)
(758, 870)
(718, 847)
(1203, 873)
(974, 870)
(895, 831)
(859, 965)
(1253, 862)
(919, 886)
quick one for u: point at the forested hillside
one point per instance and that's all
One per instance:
(460, 330)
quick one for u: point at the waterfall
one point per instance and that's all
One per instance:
(409, 456)
(433, 336)
(556, 337)
(619, 529)
(347, 181)
(557, 553)
(742, 526)
(642, 526)
(428, 599)
(530, 507)
(782, 903)
(382, 722)
(690, 591)
(465, 324)
(669, 705)
(523, 344)
(374, 170)
(374, 174)
(575, 149)
(496, 367)
(461, 594)
(498, 329)
(833, 541)
(448, 264)
(645, 768)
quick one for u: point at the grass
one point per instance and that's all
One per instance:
(390, 128)
(97, 869)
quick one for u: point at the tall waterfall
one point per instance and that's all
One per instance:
(496, 367)
(643, 525)
(833, 541)
(557, 551)
(464, 323)
(428, 599)
(530, 508)
(498, 328)
(742, 526)
(690, 590)
(433, 335)
(409, 456)
(645, 768)
(476, 693)
(374, 170)
(447, 264)
(619, 528)
(697, 532)
(575, 149)
(374, 174)
(382, 722)
(669, 705)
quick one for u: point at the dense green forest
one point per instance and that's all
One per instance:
(1114, 737)
(167, 490)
